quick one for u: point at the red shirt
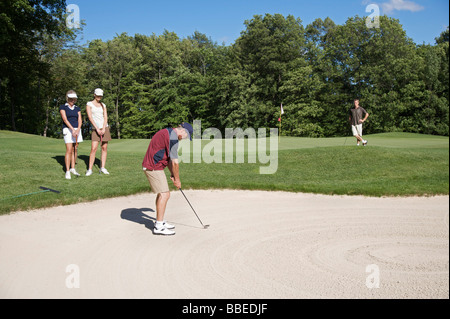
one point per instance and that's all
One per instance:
(162, 148)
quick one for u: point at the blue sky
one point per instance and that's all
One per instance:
(223, 20)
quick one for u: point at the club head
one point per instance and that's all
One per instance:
(49, 189)
(205, 226)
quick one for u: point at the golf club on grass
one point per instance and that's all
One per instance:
(345, 142)
(204, 226)
(44, 189)
(346, 135)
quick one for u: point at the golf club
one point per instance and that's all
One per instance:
(345, 142)
(346, 135)
(44, 189)
(101, 143)
(204, 226)
(75, 154)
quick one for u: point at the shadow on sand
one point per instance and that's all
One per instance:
(137, 215)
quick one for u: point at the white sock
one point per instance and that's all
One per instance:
(159, 224)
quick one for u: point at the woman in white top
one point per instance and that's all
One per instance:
(98, 116)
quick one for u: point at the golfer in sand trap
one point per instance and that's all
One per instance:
(161, 153)
(357, 116)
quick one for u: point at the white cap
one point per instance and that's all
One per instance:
(72, 96)
(98, 92)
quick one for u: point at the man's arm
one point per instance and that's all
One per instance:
(365, 118)
(174, 168)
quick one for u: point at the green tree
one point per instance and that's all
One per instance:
(431, 115)
(373, 64)
(303, 110)
(23, 26)
(268, 48)
(68, 72)
(110, 63)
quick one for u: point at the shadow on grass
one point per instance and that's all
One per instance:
(85, 158)
(61, 161)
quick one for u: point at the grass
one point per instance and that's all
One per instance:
(394, 164)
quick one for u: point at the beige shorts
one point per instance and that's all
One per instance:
(158, 181)
(357, 130)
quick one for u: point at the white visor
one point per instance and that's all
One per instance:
(98, 92)
(72, 96)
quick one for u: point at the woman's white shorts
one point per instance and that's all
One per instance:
(68, 138)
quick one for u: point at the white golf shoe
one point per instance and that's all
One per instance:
(168, 226)
(68, 175)
(104, 171)
(89, 172)
(163, 228)
(163, 231)
(74, 172)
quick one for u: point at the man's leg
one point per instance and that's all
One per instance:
(360, 130)
(162, 227)
(161, 203)
(158, 183)
(356, 134)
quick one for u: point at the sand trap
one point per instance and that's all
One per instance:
(259, 245)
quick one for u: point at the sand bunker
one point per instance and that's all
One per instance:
(259, 245)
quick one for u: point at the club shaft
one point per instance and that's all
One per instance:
(192, 207)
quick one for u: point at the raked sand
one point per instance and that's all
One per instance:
(259, 245)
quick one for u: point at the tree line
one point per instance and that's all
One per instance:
(153, 81)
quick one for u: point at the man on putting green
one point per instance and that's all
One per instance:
(357, 116)
(161, 153)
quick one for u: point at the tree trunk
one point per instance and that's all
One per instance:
(117, 116)
(13, 110)
(47, 112)
(117, 107)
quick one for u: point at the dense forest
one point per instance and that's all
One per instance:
(152, 81)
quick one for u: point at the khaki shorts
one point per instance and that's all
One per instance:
(158, 181)
(357, 130)
(106, 136)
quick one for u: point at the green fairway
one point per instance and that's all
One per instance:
(393, 164)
